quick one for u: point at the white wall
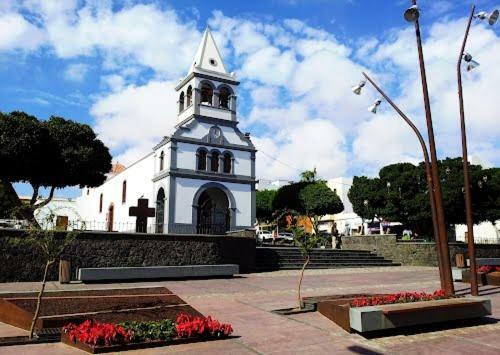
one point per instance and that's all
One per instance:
(484, 232)
(187, 188)
(138, 177)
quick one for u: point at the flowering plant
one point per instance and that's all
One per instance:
(403, 297)
(486, 269)
(96, 333)
(188, 326)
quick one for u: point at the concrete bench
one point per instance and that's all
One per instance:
(155, 272)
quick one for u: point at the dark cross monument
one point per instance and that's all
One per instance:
(142, 212)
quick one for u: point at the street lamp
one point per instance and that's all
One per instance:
(492, 18)
(428, 175)
(471, 63)
(373, 108)
(412, 15)
(357, 89)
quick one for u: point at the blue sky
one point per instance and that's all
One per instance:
(113, 65)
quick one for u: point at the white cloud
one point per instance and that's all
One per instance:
(16, 33)
(132, 121)
(76, 72)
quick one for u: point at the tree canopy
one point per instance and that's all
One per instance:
(55, 153)
(312, 199)
(400, 194)
(264, 205)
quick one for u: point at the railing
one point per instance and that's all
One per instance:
(123, 227)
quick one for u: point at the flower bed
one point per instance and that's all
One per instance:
(486, 269)
(97, 337)
(402, 297)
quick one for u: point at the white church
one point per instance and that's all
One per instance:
(201, 178)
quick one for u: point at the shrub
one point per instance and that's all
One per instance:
(486, 269)
(143, 331)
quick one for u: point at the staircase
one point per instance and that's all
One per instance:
(289, 258)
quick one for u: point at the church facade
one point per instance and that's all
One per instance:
(201, 179)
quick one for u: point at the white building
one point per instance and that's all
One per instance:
(484, 233)
(200, 179)
(60, 212)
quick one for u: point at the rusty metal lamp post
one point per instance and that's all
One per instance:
(357, 91)
(412, 15)
(492, 18)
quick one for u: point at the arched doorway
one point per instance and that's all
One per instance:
(111, 217)
(160, 211)
(213, 215)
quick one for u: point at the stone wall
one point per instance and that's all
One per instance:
(100, 249)
(411, 253)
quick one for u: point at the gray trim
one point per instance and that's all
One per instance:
(229, 195)
(171, 200)
(208, 175)
(206, 76)
(163, 141)
(215, 145)
(253, 208)
(173, 154)
(252, 162)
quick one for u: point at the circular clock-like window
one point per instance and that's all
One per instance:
(212, 61)
(215, 132)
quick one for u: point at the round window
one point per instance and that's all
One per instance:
(212, 61)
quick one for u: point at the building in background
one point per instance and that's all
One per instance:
(201, 178)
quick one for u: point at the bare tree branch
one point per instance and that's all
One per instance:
(48, 199)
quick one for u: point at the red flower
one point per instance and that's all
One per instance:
(403, 297)
(96, 333)
(188, 326)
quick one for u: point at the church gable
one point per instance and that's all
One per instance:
(213, 132)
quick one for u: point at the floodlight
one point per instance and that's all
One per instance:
(491, 17)
(470, 63)
(357, 89)
(412, 13)
(373, 108)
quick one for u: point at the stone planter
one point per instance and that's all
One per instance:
(376, 318)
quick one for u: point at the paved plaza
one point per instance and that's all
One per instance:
(246, 302)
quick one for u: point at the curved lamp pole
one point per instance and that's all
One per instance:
(427, 172)
(412, 15)
(467, 191)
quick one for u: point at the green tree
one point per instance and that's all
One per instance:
(264, 205)
(55, 154)
(400, 194)
(309, 175)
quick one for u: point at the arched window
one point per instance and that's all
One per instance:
(227, 163)
(162, 158)
(181, 102)
(100, 203)
(88, 191)
(202, 159)
(206, 94)
(124, 191)
(214, 161)
(189, 95)
(224, 98)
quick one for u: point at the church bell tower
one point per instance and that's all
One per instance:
(208, 89)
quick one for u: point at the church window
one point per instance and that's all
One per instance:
(88, 191)
(100, 203)
(124, 191)
(162, 158)
(202, 159)
(214, 162)
(224, 98)
(227, 163)
(206, 94)
(181, 102)
(189, 95)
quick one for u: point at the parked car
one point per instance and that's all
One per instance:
(264, 236)
(287, 237)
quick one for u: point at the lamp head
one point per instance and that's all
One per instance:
(373, 108)
(412, 13)
(470, 63)
(357, 89)
(491, 17)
